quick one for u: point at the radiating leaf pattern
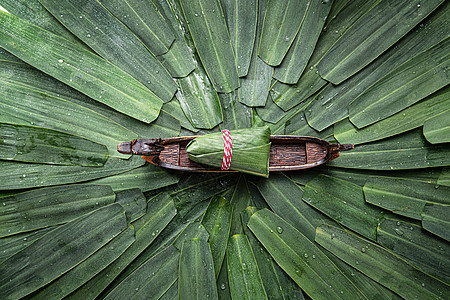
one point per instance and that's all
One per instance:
(78, 220)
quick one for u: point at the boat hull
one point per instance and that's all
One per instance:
(287, 153)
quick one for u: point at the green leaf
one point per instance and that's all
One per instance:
(416, 79)
(94, 116)
(241, 19)
(427, 252)
(17, 175)
(26, 76)
(287, 96)
(87, 269)
(370, 36)
(271, 112)
(164, 126)
(113, 41)
(240, 200)
(146, 178)
(406, 151)
(15, 243)
(381, 265)
(32, 11)
(235, 114)
(360, 177)
(437, 129)
(277, 284)
(196, 279)
(173, 108)
(404, 197)
(160, 211)
(435, 219)
(194, 230)
(200, 103)
(178, 60)
(369, 287)
(444, 178)
(285, 199)
(405, 120)
(212, 41)
(344, 202)
(244, 277)
(301, 259)
(171, 293)
(96, 77)
(134, 203)
(254, 88)
(148, 24)
(305, 219)
(282, 21)
(28, 270)
(5, 56)
(175, 233)
(27, 106)
(217, 222)
(297, 125)
(145, 282)
(296, 59)
(50, 206)
(41, 145)
(332, 104)
(279, 127)
(192, 192)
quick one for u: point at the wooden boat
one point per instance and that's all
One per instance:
(287, 153)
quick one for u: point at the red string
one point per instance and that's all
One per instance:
(227, 149)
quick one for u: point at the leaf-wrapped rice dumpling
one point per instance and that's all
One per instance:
(251, 150)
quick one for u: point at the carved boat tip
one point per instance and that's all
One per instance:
(124, 148)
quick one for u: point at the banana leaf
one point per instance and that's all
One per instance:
(251, 149)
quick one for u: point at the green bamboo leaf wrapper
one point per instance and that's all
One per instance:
(251, 149)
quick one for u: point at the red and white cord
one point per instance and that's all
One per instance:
(227, 149)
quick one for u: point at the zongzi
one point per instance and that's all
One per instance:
(250, 150)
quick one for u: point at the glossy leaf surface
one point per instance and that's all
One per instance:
(281, 24)
(217, 222)
(437, 129)
(90, 231)
(148, 24)
(296, 59)
(416, 79)
(50, 206)
(145, 281)
(404, 197)
(406, 151)
(380, 264)
(404, 238)
(371, 35)
(113, 41)
(212, 41)
(196, 276)
(28, 175)
(245, 280)
(241, 17)
(300, 258)
(435, 218)
(41, 145)
(75, 66)
(345, 204)
(407, 119)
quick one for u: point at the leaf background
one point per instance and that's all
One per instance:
(372, 224)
